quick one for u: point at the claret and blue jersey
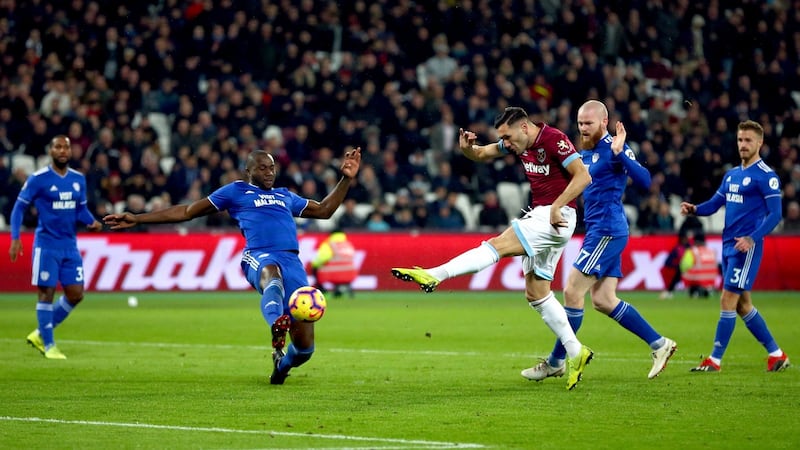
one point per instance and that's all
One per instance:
(266, 217)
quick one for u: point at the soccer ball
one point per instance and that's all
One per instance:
(307, 304)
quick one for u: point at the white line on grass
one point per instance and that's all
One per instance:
(610, 356)
(406, 443)
(615, 357)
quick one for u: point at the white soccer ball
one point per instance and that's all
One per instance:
(133, 302)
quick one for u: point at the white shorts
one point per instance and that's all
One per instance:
(542, 243)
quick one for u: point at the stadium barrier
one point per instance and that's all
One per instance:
(210, 261)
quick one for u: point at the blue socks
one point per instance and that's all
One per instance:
(272, 301)
(61, 310)
(625, 314)
(630, 319)
(758, 327)
(44, 316)
(295, 357)
(725, 326)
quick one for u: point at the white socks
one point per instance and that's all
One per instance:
(471, 261)
(555, 317)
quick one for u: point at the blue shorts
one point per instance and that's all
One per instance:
(52, 265)
(601, 256)
(292, 270)
(739, 269)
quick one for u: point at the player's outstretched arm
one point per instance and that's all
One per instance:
(173, 214)
(473, 151)
(324, 209)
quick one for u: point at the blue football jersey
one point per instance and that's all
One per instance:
(602, 199)
(746, 192)
(266, 218)
(58, 201)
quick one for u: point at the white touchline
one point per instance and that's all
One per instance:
(429, 444)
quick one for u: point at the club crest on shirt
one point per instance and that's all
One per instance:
(773, 184)
(563, 147)
(746, 181)
(540, 155)
(76, 186)
(595, 158)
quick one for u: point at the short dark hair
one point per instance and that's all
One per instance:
(510, 115)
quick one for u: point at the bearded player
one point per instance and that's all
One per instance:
(556, 177)
(598, 267)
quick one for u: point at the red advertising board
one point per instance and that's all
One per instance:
(210, 261)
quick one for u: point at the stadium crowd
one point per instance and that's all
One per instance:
(162, 100)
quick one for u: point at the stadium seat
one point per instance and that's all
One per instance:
(716, 221)
(476, 213)
(162, 125)
(166, 163)
(632, 212)
(363, 210)
(43, 161)
(326, 225)
(464, 206)
(390, 198)
(675, 210)
(23, 161)
(510, 196)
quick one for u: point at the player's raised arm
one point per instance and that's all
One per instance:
(473, 151)
(324, 209)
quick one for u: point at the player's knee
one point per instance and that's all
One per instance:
(573, 299)
(604, 303)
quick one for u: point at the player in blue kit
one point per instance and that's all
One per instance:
(598, 266)
(751, 194)
(270, 260)
(59, 195)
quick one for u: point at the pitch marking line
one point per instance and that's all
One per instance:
(611, 357)
(406, 443)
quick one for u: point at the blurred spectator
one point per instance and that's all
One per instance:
(222, 73)
(492, 215)
(655, 216)
(349, 219)
(441, 65)
(376, 222)
(791, 220)
(445, 215)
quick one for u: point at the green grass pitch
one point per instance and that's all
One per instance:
(392, 370)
